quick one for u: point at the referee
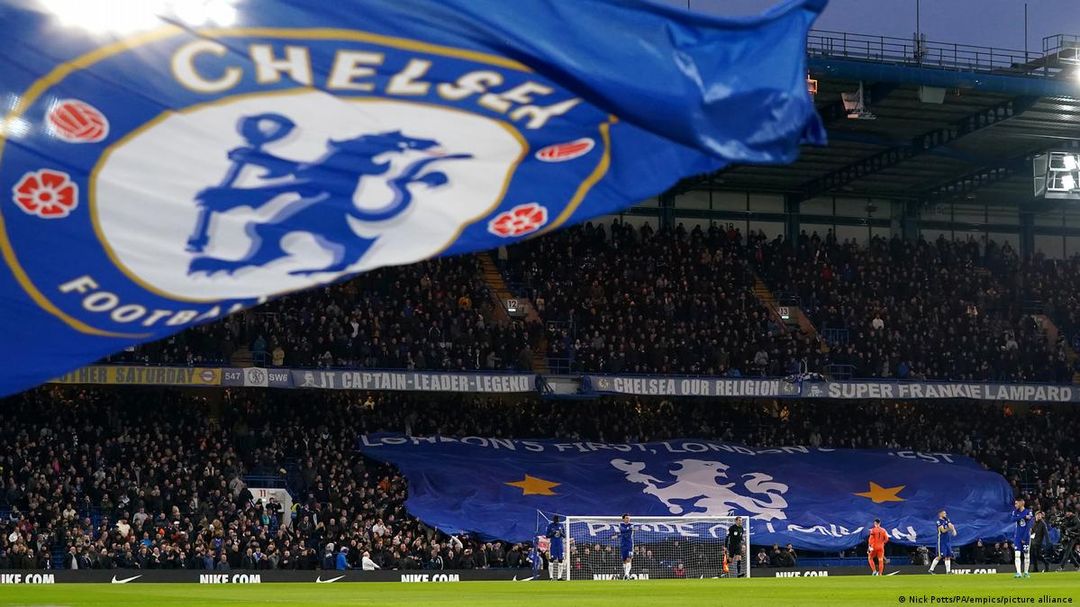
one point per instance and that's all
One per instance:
(735, 545)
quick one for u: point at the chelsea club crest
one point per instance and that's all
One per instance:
(179, 176)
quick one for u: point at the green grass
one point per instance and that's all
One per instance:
(831, 592)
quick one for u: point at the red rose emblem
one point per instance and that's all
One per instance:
(46, 193)
(518, 221)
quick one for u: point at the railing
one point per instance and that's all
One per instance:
(840, 371)
(560, 365)
(941, 55)
(561, 328)
(835, 337)
(788, 298)
(266, 480)
(1064, 47)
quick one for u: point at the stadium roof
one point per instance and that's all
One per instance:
(1000, 107)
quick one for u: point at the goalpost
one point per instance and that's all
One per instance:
(692, 546)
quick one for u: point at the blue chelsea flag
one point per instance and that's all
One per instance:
(201, 164)
(817, 499)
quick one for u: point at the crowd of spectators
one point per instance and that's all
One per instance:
(1054, 284)
(635, 300)
(684, 302)
(623, 299)
(153, 478)
(434, 315)
(775, 557)
(916, 309)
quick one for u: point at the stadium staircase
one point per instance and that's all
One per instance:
(767, 299)
(242, 358)
(501, 292)
(540, 359)
(1048, 327)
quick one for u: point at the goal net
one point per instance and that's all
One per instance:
(658, 547)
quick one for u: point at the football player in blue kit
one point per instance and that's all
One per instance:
(557, 549)
(626, 544)
(945, 533)
(1021, 516)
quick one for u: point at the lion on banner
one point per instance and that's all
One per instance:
(323, 190)
(700, 482)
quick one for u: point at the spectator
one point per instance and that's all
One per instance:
(367, 564)
(776, 557)
(72, 559)
(790, 558)
(920, 556)
(436, 560)
(980, 553)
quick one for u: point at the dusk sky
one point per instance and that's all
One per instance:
(998, 23)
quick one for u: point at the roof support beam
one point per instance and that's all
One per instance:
(1005, 84)
(928, 142)
(977, 179)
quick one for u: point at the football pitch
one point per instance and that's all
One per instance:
(1060, 588)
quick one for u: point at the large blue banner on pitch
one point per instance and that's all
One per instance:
(818, 499)
(166, 163)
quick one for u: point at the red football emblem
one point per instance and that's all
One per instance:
(46, 193)
(77, 122)
(518, 221)
(566, 151)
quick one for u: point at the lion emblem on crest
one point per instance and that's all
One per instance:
(698, 487)
(323, 192)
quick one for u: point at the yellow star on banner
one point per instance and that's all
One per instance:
(530, 485)
(880, 495)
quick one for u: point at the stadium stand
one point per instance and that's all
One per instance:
(623, 299)
(634, 300)
(1056, 284)
(154, 479)
(435, 315)
(940, 310)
